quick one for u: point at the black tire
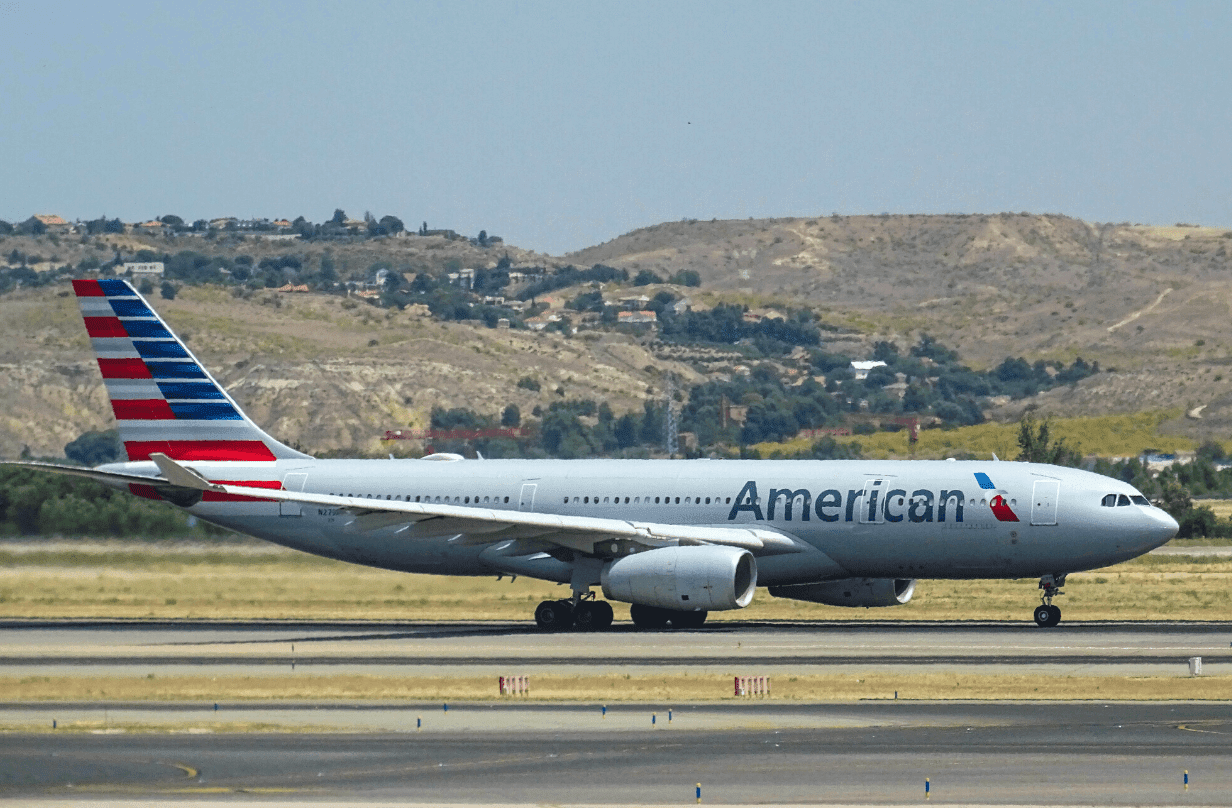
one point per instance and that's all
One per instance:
(554, 615)
(603, 616)
(650, 617)
(688, 619)
(1046, 617)
(588, 614)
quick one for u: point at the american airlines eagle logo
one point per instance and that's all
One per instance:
(1000, 508)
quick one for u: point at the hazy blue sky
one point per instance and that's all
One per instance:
(560, 125)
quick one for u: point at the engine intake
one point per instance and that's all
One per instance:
(851, 592)
(709, 578)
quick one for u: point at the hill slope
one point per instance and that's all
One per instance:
(1153, 303)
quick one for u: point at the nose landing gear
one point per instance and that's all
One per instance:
(1046, 615)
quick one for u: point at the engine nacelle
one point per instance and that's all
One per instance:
(851, 592)
(708, 578)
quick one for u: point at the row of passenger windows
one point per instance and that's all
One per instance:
(1120, 500)
(465, 500)
(421, 498)
(639, 500)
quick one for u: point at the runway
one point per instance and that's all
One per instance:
(168, 647)
(879, 753)
(871, 752)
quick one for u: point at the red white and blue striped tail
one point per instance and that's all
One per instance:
(164, 399)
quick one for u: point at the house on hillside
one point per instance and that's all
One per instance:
(53, 223)
(143, 269)
(636, 317)
(862, 368)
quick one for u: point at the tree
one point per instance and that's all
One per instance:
(1037, 446)
(339, 216)
(172, 220)
(884, 351)
(167, 290)
(483, 238)
(391, 225)
(511, 416)
(95, 448)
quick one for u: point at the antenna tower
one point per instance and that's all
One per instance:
(670, 427)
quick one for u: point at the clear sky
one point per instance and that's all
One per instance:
(561, 125)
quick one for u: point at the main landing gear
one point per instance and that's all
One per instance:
(1046, 615)
(580, 612)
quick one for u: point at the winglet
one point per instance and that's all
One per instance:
(182, 476)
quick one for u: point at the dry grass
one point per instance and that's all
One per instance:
(1106, 436)
(678, 688)
(1221, 507)
(137, 581)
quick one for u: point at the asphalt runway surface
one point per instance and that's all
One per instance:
(870, 753)
(228, 647)
(1034, 753)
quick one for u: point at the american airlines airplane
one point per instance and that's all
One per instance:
(676, 539)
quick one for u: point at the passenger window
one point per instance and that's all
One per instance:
(656, 500)
(1122, 501)
(626, 500)
(707, 500)
(506, 499)
(727, 501)
(637, 500)
(677, 500)
(686, 501)
(585, 500)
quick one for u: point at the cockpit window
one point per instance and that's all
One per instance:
(1108, 501)
(1122, 501)
(1141, 500)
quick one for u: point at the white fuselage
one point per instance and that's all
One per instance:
(857, 518)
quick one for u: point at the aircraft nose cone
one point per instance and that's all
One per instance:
(1163, 527)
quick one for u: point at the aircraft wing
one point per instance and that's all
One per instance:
(83, 471)
(433, 519)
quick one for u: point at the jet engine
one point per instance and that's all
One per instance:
(851, 592)
(705, 578)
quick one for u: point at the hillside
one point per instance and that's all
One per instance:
(1151, 303)
(304, 367)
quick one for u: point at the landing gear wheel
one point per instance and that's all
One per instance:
(554, 615)
(592, 615)
(602, 611)
(648, 616)
(1047, 616)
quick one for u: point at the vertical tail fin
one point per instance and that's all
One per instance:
(163, 398)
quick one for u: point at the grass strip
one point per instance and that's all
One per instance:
(676, 688)
(161, 583)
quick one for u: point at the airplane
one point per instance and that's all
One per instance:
(676, 539)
